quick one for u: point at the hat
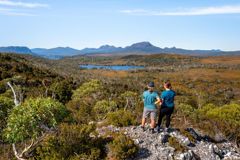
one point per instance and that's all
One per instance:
(151, 84)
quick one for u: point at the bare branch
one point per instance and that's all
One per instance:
(16, 153)
(26, 149)
(16, 102)
(29, 148)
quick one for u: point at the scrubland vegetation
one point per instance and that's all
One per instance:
(61, 105)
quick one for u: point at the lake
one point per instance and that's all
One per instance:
(111, 67)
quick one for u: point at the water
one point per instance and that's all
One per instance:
(112, 67)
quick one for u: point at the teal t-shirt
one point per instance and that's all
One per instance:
(149, 99)
(168, 98)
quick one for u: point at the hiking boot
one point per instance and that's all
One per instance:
(159, 129)
(152, 130)
(143, 128)
(166, 130)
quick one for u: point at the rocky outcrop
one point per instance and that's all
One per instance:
(156, 146)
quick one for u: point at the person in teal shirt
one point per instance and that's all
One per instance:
(167, 105)
(150, 99)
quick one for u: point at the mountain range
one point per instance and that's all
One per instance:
(136, 48)
(16, 49)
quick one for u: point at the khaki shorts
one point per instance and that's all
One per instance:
(150, 112)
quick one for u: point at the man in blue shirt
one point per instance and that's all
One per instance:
(167, 105)
(150, 99)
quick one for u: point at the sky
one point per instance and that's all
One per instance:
(189, 24)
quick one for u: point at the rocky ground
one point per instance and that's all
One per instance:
(195, 147)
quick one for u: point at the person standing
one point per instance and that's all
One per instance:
(167, 105)
(150, 99)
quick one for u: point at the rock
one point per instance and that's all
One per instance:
(194, 134)
(163, 137)
(219, 137)
(189, 155)
(186, 141)
(155, 146)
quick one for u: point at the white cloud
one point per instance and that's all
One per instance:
(14, 12)
(22, 4)
(187, 12)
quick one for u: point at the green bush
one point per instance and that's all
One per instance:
(103, 107)
(80, 112)
(227, 113)
(72, 142)
(6, 105)
(31, 118)
(62, 91)
(87, 88)
(121, 148)
(2, 87)
(227, 120)
(185, 109)
(130, 100)
(121, 118)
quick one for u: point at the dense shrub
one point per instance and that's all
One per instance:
(87, 88)
(121, 118)
(6, 105)
(31, 118)
(130, 100)
(2, 87)
(72, 142)
(121, 148)
(103, 107)
(203, 111)
(227, 113)
(227, 119)
(185, 109)
(80, 111)
(62, 91)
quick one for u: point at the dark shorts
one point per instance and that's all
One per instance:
(166, 110)
(150, 112)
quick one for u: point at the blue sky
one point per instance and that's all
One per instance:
(190, 24)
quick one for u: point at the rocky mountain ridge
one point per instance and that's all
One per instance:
(160, 146)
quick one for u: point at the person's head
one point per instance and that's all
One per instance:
(150, 86)
(167, 85)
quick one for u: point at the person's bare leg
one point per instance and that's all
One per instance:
(153, 123)
(143, 122)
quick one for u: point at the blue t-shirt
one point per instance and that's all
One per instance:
(168, 98)
(149, 99)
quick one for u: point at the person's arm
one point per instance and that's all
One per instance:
(158, 99)
(162, 98)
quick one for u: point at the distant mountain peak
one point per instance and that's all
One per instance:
(107, 47)
(142, 44)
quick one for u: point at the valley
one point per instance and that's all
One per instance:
(208, 100)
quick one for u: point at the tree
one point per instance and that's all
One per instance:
(33, 120)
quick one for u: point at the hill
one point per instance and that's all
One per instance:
(56, 53)
(16, 49)
(102, 108)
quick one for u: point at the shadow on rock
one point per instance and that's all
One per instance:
(143, 153)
